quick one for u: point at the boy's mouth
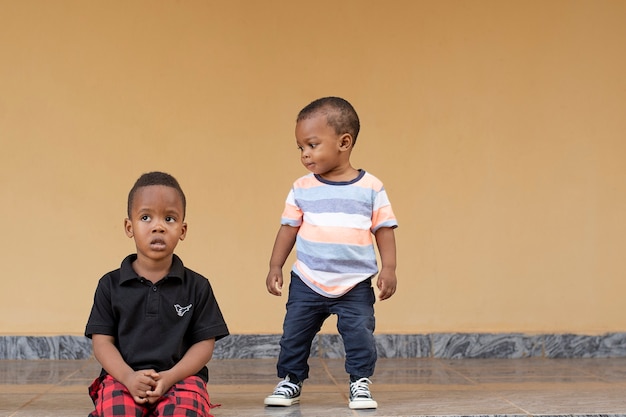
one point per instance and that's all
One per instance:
(157, 244)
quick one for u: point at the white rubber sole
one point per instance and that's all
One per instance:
(280, 401)
(362, 404)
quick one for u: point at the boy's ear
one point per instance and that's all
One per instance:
(345, 142)
(183, 233)
(128, 227)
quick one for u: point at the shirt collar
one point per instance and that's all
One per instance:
(127, 272)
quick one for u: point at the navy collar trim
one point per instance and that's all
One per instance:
(325, 181)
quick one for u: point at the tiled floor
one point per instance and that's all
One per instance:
(402, 387)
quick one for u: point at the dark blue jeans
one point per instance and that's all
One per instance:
(307, 311)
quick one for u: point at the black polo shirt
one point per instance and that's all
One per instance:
(155, 324)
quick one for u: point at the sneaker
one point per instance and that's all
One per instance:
(285, 394)
(360, 395)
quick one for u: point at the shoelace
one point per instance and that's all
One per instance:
(360, 388)
(286, 388)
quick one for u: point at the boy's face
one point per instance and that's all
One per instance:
(156, 221)
(322, 150)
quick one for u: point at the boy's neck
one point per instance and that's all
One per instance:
(153, 271)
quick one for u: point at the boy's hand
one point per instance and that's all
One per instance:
(386, 283)
(274, 282)
(161, 387)
(139, 383)
(386, 241)
(285, 239)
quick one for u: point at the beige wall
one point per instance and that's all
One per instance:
(497, 126)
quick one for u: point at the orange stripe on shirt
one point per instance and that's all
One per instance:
(292, 212)
(308, 181)
(382, 215)
(335, 235)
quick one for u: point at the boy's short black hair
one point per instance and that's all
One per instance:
(339, 113)
(156, 178)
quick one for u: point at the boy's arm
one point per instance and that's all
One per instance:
(137, 382)
(387, 281)
(285, 239)
(198, 355)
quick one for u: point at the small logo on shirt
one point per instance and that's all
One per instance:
(181, 310)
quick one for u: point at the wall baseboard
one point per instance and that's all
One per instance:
(436, 345)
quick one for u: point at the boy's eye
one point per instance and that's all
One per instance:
(313, 145)
(300, 148)
(145, 218)
(170, 219)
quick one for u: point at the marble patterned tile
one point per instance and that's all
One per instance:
(73, 347)
(612, 345)
(247, 346)
(39, 347)
(570, 345)
(437, 345)
(485, 345)
(328, 346)
(581, 346)
(403, 345)
(262, 346)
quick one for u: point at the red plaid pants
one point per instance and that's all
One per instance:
(187, 398)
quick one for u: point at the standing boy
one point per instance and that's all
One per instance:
(330, 215)
(154, 322)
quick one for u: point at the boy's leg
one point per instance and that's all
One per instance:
(186, 398)
(356, 323)
(306, 312)
(111, 398)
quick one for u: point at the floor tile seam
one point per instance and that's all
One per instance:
(70, 375)
(30, 401)
(477, 379)
(552, 386)
(516, 406)
(552, 362)
(464, 415)
(580, 415)
(496, 387)
(332, 378)
(595, 375)
(380, 386)
(618, 383)
(448, 367)
(547, 380)
(336, 384)
(515, 415)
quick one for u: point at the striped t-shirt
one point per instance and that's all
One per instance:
(334, 245)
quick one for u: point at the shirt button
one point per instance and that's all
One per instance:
(154, 289)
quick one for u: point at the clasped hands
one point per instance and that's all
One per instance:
(146, 386)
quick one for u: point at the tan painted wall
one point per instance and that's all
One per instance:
(498, 128)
